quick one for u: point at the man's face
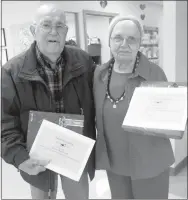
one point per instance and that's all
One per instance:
(125, 41)
(50, 32)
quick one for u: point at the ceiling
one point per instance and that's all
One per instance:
(157, 2)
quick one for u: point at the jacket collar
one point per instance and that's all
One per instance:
(29, 68)
(143, 69)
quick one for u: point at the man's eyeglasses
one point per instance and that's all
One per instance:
(131, 41)
(47, 27)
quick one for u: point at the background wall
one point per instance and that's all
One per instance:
(16, 12)
(13, 12)
(70, 19)
(153, 12)
(181, 41)
(15, 17)
(181, 66)
(169, 39)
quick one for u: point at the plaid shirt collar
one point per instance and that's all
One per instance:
(44, 61)
(52, 77)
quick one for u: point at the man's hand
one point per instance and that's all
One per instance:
(33, 166)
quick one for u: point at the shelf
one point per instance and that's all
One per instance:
(148, 28)
(149, 45)
(96, 44)
(153, 58)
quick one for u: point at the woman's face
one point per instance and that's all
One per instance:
(125, 41)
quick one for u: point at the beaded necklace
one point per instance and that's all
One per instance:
(108, 94)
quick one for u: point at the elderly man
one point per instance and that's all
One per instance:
(48, 77)
(137, 166)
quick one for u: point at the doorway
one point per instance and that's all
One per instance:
(96, 35)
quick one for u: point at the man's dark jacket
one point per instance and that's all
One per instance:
(24, 90)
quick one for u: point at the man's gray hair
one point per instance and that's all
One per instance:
(44, 7)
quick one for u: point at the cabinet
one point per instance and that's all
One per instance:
(94, 51)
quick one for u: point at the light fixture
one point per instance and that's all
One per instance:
(103, 3)
(142, 7)
(142, 16)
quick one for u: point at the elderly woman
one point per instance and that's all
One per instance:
(137, 165)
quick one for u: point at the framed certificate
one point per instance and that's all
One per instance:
(158, 111)
(4, 56)
(3, 39)
(67, 150)
(59, 137)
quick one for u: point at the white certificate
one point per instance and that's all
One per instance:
(158, 108)
(67, 150)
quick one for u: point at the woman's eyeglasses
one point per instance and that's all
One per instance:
(131, 41)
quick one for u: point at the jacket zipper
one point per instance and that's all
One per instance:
(49, 188)
(49, 185)
(81, 109)
(51, 108)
